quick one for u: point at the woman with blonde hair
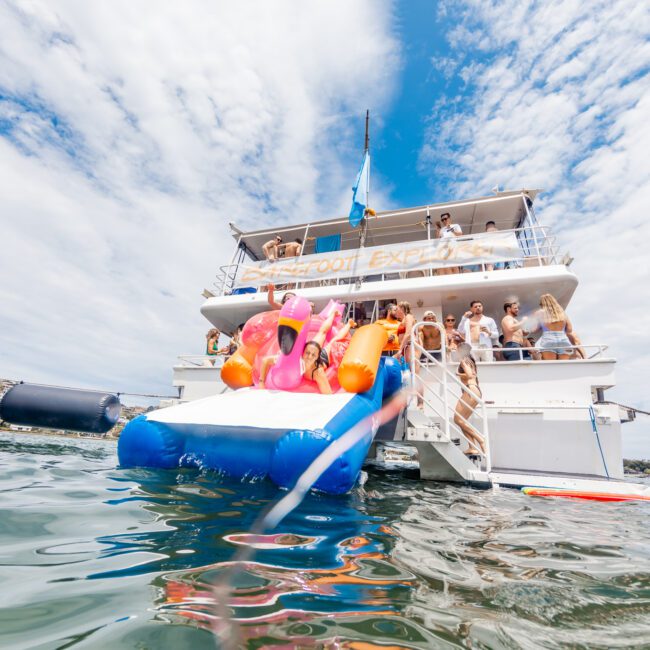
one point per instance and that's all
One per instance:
(557, 331)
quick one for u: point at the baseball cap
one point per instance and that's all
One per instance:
(428, 313)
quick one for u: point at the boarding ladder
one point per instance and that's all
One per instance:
(432, 417)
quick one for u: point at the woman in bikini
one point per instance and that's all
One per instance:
(466, 405)
(404, 330)
(316, 355)
(558, 338)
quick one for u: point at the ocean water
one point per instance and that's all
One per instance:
(98, 557)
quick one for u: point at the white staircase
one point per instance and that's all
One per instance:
(431, 427)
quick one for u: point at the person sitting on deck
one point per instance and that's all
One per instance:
(513, 333)
(391, 324)
(325, 327)
(271, 297)
(479, 331)
(312, 364)
(271, 248)
(557, 331)
(468, 375)
(490, 226)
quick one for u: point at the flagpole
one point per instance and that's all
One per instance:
(366, 148)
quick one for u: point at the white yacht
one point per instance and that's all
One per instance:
(546, 423)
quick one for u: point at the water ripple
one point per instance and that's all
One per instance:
(98, 557)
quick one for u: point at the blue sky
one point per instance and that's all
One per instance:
(130, 138)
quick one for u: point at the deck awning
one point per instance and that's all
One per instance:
(506, 209)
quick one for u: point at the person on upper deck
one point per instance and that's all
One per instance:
(293, 248)
(404, 330)
(312, 366)
(557, 332)
(513, 333)
(480, 331)
(445, 229)
(391, 323)
(490, 226)
(271, 248)
(271, 297)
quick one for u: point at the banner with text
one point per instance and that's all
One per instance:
(411, 256)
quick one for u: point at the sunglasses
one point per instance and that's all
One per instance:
(450, 320)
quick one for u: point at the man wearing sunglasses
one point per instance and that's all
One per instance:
(271, 248)
(447, 230)
(452, 336)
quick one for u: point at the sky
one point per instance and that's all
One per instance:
(130, 135)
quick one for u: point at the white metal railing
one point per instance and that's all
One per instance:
(538, 245)
(201, 360)
(599, 350)
(444, 406)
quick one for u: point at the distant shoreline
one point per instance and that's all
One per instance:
(108, 437)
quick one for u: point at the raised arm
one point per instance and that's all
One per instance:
(271, 297)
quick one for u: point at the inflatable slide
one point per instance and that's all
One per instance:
(278, 430)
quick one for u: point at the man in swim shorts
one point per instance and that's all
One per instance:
(271, 248)
(513, 333)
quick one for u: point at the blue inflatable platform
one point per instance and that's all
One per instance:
(252, 433)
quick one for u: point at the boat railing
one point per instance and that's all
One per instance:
(538, 247)
(596, 350)
(444, 403)
(201, 360)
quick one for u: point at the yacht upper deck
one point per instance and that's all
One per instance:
(396, 255)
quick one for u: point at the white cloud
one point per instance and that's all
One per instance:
(560, 100)
(132, 137)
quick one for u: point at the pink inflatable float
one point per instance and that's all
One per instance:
(285, 334)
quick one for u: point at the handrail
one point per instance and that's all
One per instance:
(202, 360)
(599, 347)
(416, 353)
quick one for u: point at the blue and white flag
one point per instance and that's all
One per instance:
(360, 192)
